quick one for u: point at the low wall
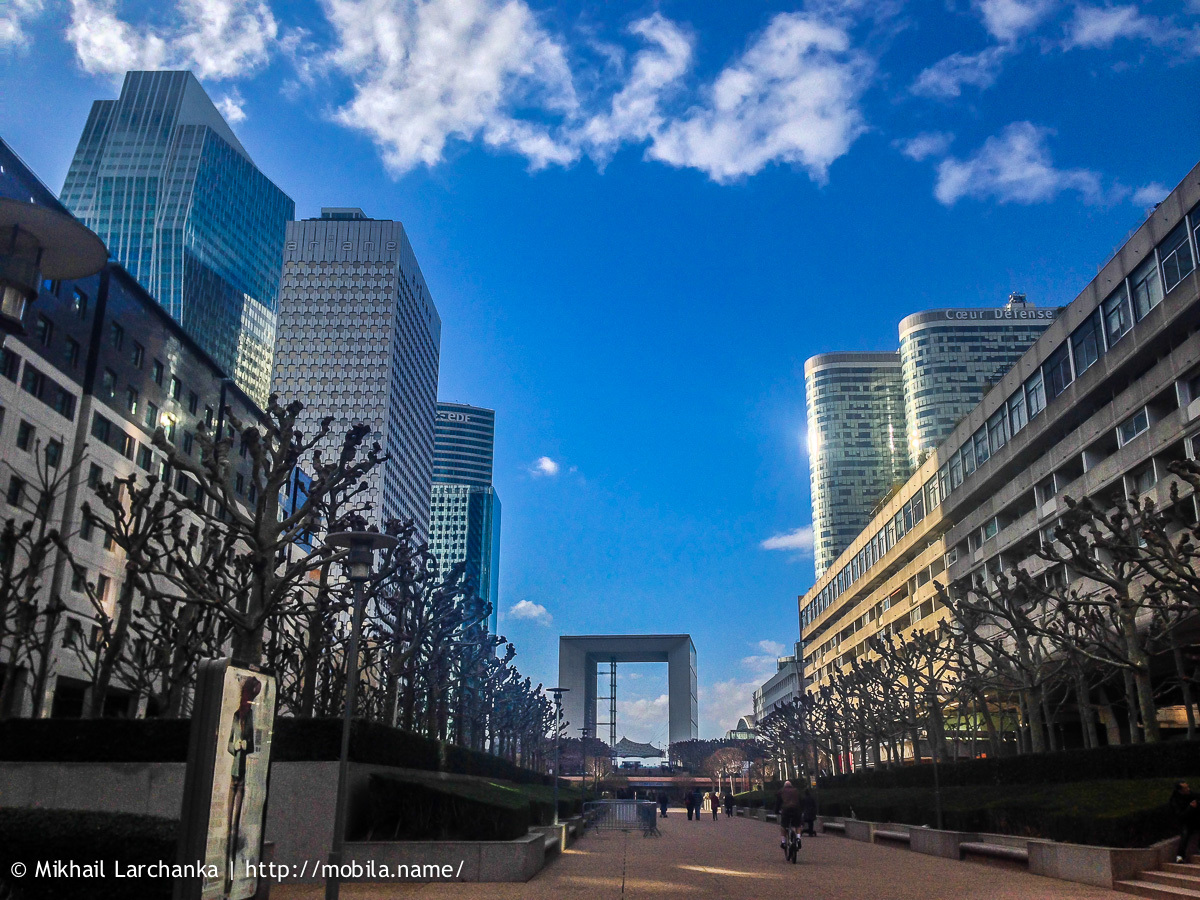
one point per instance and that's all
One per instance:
(933, 842)
(436, 861)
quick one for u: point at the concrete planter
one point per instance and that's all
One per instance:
(933, 842)
(860, 831)
(437, 861)
(1100, 866)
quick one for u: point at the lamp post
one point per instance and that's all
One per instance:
(359, 560)
(583, 755)
(38, 242)
(557, 692)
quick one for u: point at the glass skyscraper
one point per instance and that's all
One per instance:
(464, 508)
(952, 356)
(360, 340)
(161, 178)
(856, 436)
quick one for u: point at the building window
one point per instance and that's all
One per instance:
(1057, 371)
(43, 330)
(16, 491)
(53, 453)
(102, 582)
(239, 485)
(968, 457)
(116, 335)
(176, 388)
(71, 353)
(1146, 288)
(131, 400)
(1088, 343)
(158, 372)
(171, 426)
(1133, 426)
(1017, 416)
(94, 472)
(108, 384)
(187, 442)
(208, 416)
(193, 402)
(72, 633)
(25, 435)
(80, 303)
(144, 458)
(138, 356)
(1176, 255)
(10, 363)
(1035, 394)
(151, 419)
(63, 403)
(32, 381)
(982, 451)
(86, 529)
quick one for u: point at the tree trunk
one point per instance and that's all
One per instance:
(112, 653)
(1111, 726)
(1131, 706)
(1051, 722)
(1185, 686)
(1087, 716)
(1031, 704)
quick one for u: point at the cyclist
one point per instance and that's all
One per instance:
(787, 805)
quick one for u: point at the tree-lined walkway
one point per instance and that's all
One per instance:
(731, 859)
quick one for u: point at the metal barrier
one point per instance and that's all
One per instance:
(622, 815)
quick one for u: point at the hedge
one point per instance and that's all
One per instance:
(295, 740)
(30, 836)
(1160, 760)
(430, 809)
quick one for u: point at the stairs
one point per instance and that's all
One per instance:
(1174, 881)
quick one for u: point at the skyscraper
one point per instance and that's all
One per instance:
(359, 340)
(952, 356)
(856, 437)
(161, 178)
(465, 509)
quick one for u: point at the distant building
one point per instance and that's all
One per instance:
(746, 729)
(359, 340)
(464, 524)
(785, 685)
(161, 178)
(856, 438)
(951, 357)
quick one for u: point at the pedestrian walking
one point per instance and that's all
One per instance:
(715, 802)
(662, 803)
(1187, 812)
(689, 800)
(728, 805)
(808, 814)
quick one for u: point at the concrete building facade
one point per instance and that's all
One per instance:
(359, 339)
(161, 178)
(1100, 405)
(856, 443)
(785, 685)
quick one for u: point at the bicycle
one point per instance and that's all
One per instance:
(791, 843)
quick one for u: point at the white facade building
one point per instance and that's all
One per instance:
(786, 684)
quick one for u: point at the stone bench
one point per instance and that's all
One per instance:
(886, 834)
(834, 826)
(1006, 854)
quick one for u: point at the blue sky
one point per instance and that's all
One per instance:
(639, 219)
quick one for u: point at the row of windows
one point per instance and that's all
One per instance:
(1172, 260)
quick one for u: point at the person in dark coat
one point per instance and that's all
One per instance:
(728, 805)
(689, 800)
(808, 813)
(715, 802)
(1187, 813)
(662, 804)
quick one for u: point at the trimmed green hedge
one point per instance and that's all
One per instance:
(431, 809)
(94, 740)
(31, 836)
(1109, 813)
(1165, 759)
(306, 740)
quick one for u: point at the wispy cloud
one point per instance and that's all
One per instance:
(945, 79)
(800, 540)
(764, 664)
(1151, 194)
(925, 145)
(1007, 20)
(1099, 27)
(529, 611)
(232, 106)
(544, 467)
(217, 39)
(723, 703)
(14, 17)
(1013, 167)
(792, 97)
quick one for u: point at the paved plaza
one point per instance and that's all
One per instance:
(736, 858)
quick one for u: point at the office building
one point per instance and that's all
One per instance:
(101, 366)
(359, 339)
(856, 437)
(950, 357)
(161, 178)
(785, 685)
(1099, 406)
(464, 513)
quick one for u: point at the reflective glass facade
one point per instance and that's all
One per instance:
(952, 356)
(359, 340)
(161, 178)
(856, 437)
(464, 515)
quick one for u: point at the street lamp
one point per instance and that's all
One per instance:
(583, 735)
(359, 560)
(557, 692)
(38, 242)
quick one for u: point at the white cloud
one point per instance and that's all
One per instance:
(764, 664)
(1007, 20)
(12, 22)
(642, 712)
(429, 71)
(1012, 167)
(635, 111)
(925, 145)
(533, 612)
(232, 106)
(723, 703)
(792, 97)
(945, 79)
(799, 540)
(1151, 194)
(1096, 27)
(217, 39)
(544, 466)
